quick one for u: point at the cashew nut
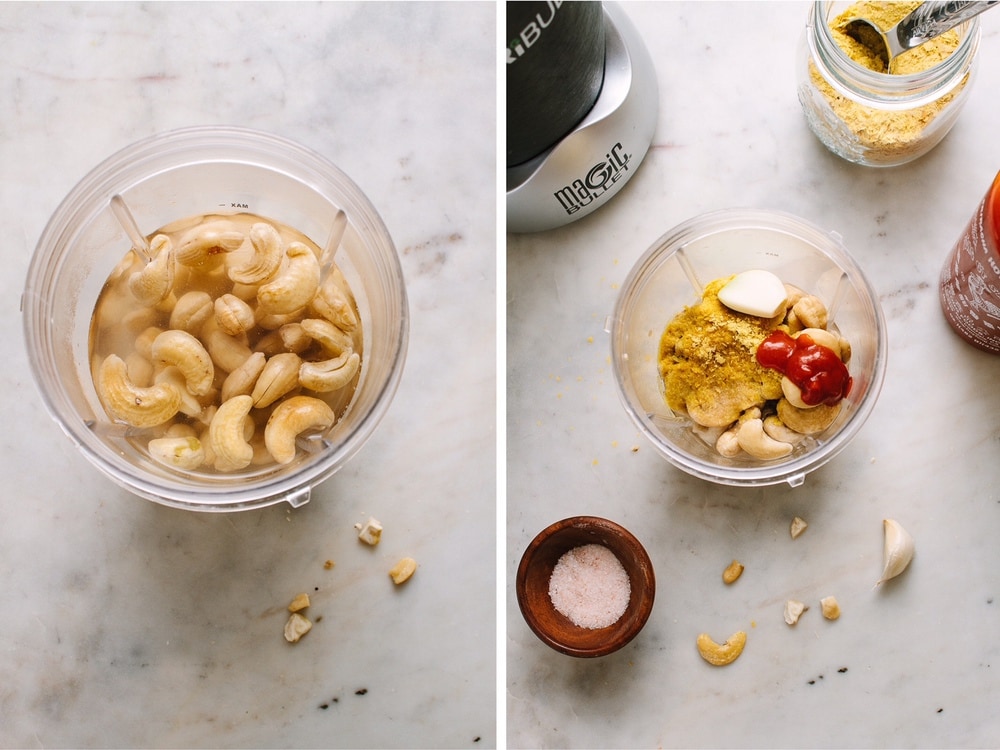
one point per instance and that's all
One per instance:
(227, 352)
(279, 376)
(140, 369)
(721, 654)
(227, 434)
(759, 444)
(807, 421)
(295, 284)
(154, 282)
(144, 341)
(403, 570)
(265, 261)
(177, 452)
(334, 304)
(291, 417)
(727, 445)
(294, 337)
(794, 394)
(823, 337)
(240, 382)
(732, 572)
(810, 312)
(182, 349)
(233, 315)
(333, 339)
(139, 407)
(173, 375)
(191, 311)
(208, 243)
(329, 375)
(273, 321)
(830, 607)
(779, 431)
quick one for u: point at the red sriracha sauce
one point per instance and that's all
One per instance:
(815, 369)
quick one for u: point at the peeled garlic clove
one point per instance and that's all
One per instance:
(898, 550)
(754, 292)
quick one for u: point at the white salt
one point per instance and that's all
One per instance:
(590, 586)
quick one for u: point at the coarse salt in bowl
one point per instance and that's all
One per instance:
(671, 275)
(585, 586)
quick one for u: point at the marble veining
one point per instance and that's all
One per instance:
(129, 624)
(911, 664)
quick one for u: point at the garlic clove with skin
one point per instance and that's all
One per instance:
(897, 551)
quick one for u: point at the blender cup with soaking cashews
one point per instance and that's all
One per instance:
(172, 179)
(672, 274)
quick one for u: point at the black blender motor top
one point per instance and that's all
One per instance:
(555, 70)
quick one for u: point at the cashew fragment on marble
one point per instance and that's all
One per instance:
(403, 570)
(292, 417)
(296, 282)
(279, 377)
(184, 453)
(267, 251)
(228, 434)
(829, 607)
(154, 281)
(240, 382)
(331, 374)
(129, 403)
(793, 611)
(189, 355)
(233, 315)
(191, 312)
(205, 245)
(721, 654)
(732, 572)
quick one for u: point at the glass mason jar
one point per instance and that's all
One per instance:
(879, 119)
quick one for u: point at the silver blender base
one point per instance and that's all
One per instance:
(585, 169)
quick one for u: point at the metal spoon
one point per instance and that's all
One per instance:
(929, 20)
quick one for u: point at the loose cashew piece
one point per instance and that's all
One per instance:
(227, 434)
(139, 407)
(329, 375)
(154, 282)
(182, 349)
(191, 311)
(233, 315)
(208, 243)
(295, 284)
(733, 572)
(240, 382)
(279, 376)
(721, 654)
(807, 421)
(291, 417)
(265, 261)
(759, 444)
(178, 452)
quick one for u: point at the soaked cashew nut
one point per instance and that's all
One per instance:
(233, 315)
(333, 340)
(810, 312)
(295, 284)
(279, 376)
(274, 321)
(794, 394)
(177, 452)
(154, 282)
(294, 337)
(265, 261)
(208, 243)
(139, 407)
(227, 434)
(821, 336)
(329, 375)
(227, 352)
(173, 375)
(720, 654)
(182, 349)
(240, 382)
(779, 431)
(727, 444)
(807, 421)
(191, 311)
(332, 303)
(759, 444)
(291, 417)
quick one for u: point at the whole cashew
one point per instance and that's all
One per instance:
(240, 382)
(727, 444)
(182, 349)
(721, 654)
(279, 376)
(329, 375)
(227, 434)
(823, 337)
(173, 375)
(227, 352)
(332, 303)
(794, 394)
(191, 311)
(233, 315)
(810, 312)
(177, 452)
(154, 282)
(333, 340)
(295, 284)
(291, 417)
(139, 407)
(779, 431)
(807, 421)
(207, 244)
(759, 444)
(265, 261)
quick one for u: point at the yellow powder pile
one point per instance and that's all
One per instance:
(708, 361)
(887, 134)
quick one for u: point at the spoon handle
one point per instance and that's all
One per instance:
(933, 18)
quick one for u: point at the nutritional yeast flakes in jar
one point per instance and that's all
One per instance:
(970, 279)
(876, 118)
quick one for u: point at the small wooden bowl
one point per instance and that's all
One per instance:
(535, 570)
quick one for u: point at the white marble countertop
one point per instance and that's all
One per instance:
(128, 624)
(914, 664)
